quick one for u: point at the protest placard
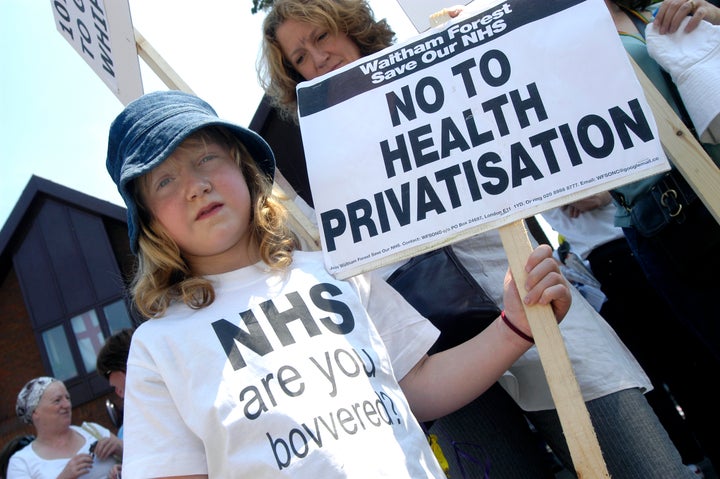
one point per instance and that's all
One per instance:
(102, 34)
(492, 118)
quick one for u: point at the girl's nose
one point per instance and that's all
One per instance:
(198, 187)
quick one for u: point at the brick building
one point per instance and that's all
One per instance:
(63, 257)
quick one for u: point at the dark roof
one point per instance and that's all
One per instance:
(36, 190)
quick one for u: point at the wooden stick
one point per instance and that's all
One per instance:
(158, 64)
(574, 417)
(681, 147)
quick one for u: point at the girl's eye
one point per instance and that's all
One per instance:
(322, 36)
(163, 183)
(205, 159)
(299, 59)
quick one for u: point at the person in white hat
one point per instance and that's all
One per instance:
(61, 449)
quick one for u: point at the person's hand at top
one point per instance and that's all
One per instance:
(441, 16)
(672, 12)
(454, 11)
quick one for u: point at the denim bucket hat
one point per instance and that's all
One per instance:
(151, 127)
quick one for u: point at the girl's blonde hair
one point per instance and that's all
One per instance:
(163, 275)
(354, 18)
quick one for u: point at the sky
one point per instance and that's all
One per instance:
(55, 111)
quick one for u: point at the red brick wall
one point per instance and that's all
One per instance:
(20, 361)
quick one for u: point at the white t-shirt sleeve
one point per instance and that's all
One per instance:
(157, 441)
(407, 335)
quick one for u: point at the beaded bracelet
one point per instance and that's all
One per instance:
(515, 329)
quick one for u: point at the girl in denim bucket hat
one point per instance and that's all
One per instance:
(256, 362)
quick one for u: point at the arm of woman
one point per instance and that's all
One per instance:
(442, 383)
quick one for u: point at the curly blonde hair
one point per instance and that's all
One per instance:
(354, 18)
(162, 274)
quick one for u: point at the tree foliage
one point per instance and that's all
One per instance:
(260, 5)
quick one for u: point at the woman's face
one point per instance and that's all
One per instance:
(313, 50)
(54, 406)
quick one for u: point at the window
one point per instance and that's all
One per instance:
(88, 336)
(117, 316)
(72, 347)
(58, 350)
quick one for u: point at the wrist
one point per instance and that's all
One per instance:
(515, 329)
(714, 16)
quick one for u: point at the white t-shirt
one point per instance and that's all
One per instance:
(588, 231)
(602, 363)
(284, 375)
(26, 464)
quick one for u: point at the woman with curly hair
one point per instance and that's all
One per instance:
(303, 39)
(352, 22)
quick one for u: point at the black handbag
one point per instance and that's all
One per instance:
(663, 204)
(439, 287)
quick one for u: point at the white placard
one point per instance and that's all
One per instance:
(102, 33)
(496, 117)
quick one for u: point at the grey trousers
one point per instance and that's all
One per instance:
(491, 438)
